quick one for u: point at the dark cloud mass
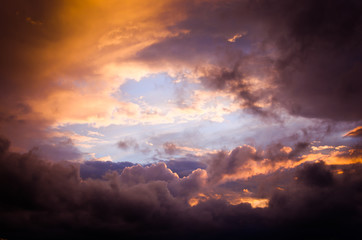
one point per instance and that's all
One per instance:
(321, 59)
(49, 200)
(309, 51)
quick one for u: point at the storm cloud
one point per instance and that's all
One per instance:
(307, 59)
(217, 119)
(49, 199)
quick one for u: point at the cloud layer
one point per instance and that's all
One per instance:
(243, 115)
(48, 199)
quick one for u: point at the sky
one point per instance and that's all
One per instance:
(170, 119)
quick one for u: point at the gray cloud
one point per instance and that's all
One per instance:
(131, 144)
(127, 144)
(46, 199)
(309, 51)
(170, 148)
(61, 150)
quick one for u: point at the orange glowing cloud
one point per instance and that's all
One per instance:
(93, 57)
(233, 39)
(243, 162)
(231, 198)
(90, 57)
(356, 132)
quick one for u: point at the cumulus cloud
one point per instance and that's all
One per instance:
(48, 199)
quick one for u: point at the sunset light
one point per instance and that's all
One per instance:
(170, 119)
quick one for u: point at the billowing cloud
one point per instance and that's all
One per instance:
(288, 54)
(47, 197)
(78, 68)
(180, 119)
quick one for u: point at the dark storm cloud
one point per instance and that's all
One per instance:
(21, 39)
(315, 175)
(312, 52)
(22, 62)
(311, 200)
(329, 201)
(299, 148)
(320, 66)
(309, 51)
(29, 67)
(20, 129)
(4, 145)
(277, 152)
(221, 164)
(49, 200)
(235, 80)
(43, 199)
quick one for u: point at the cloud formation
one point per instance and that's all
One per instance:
(50, 199)
(275, 63)
(288, 53)
(357, 132)
(285, 75)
